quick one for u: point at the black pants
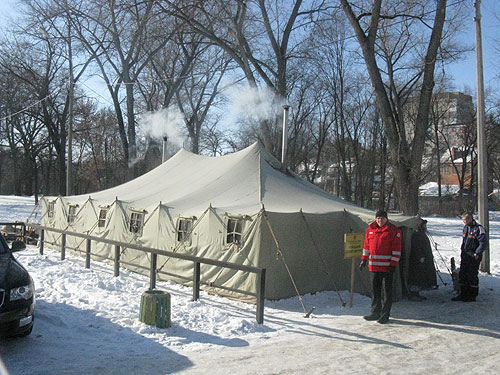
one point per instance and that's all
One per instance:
(381, 280)
(469, 269)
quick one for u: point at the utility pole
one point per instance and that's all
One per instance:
(482, 171)
(69, 164)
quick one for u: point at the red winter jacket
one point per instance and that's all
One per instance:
(382, 247)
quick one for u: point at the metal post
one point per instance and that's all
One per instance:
(353, 272)
(152, 271)
(284, 141)
(261, 289)
(41, 241)
(117, 261)
(164, 153)
(87, 253)
(482, 169)
(63, 246)
(196, 281)
(69, 167)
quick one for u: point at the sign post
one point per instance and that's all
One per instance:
(353, 248)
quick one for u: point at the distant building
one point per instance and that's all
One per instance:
(453, 114)
(452, 109)
(450, 139)
(449, 165)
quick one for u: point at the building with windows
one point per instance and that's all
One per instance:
(453, 137)
(449, 147)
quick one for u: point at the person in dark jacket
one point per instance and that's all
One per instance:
(474, 242)
(381, 251)
(421, 269)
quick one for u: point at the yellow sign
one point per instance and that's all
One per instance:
(353, 245)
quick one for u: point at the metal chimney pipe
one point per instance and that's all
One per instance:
(285, 135)
(164, 152)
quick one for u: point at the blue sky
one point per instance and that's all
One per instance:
(464, 71)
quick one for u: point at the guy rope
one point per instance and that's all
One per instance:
(280, 253)
(323, 263)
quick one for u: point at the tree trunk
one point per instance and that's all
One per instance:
(406, 160)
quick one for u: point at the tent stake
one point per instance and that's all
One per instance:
(309, 312)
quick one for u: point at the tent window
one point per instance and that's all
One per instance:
(102, 217)
(72, 213)
(50, 210)
(136, 222)
(234, 230)
(184, 227)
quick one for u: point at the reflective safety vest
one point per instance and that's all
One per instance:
(382, 247)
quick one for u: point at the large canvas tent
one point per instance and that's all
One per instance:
(243, 208)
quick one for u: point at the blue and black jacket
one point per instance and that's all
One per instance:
(474, 239)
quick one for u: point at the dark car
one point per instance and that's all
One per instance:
(17, 293)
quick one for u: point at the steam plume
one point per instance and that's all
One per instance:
(165, 122)
(251, 103)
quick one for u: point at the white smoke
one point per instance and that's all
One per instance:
(165, 122)
(252, 103)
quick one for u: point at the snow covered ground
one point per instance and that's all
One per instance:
(87, 323)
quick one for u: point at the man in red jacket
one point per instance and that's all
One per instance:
(381, 251)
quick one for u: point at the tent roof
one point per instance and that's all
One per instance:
(239, 183)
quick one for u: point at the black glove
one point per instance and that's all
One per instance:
(363, 264)
(392, 269)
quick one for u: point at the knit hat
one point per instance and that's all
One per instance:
(381, 213)
(421, 225)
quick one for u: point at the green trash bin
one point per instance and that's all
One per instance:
(155, 308)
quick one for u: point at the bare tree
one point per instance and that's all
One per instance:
(40, 71)
(213, 140)
(379, 45)
(99, 147)
(122, 37)
(493, 150)
(47, 70)
(169, 67)
(260, 36)
(199, 93)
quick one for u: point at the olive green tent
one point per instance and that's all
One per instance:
(241, 208)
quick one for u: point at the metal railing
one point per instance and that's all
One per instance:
(197, 261)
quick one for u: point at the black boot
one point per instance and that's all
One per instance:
(372, 316)
(460, 297)
(462, 294)
(471, 294)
